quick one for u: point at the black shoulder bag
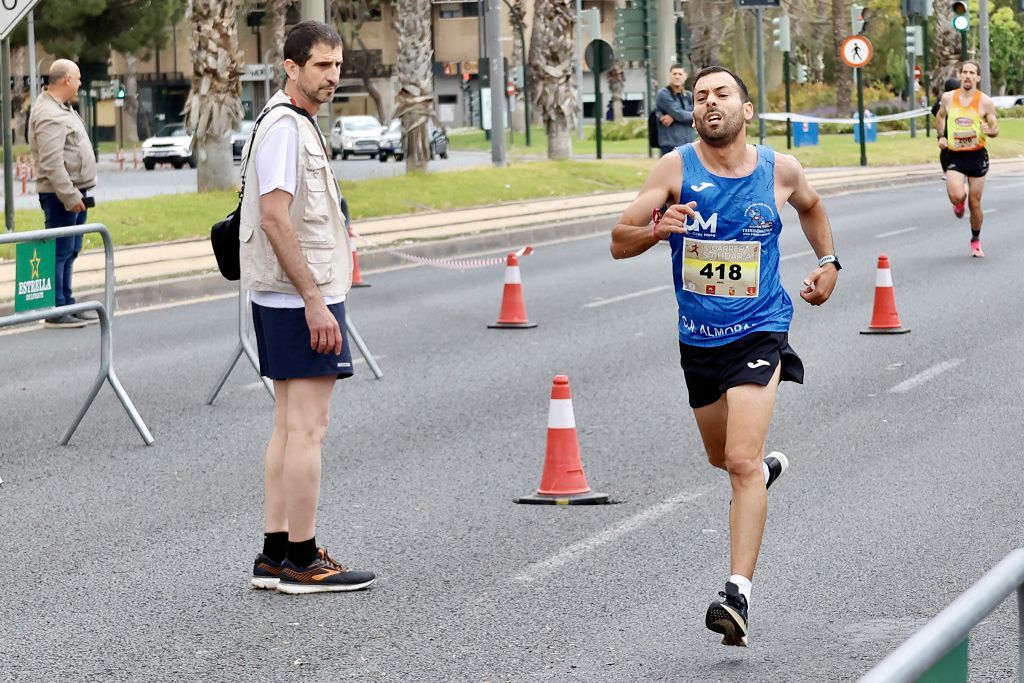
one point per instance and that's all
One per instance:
(224, 233)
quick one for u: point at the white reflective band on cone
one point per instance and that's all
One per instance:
(883, 278)
(560, 416)
(512, 276)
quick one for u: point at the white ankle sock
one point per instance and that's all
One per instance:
(764, 465)
(744, 584)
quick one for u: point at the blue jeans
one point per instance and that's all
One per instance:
(67, 248)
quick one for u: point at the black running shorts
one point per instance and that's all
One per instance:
(752, 359)
(973, 164)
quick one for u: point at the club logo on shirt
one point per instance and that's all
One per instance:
(700, 225)
(762, 220)
(703, 186)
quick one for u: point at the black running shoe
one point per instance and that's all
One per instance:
(265, 573)
(323, 575)
(777, 463)
(729, 616)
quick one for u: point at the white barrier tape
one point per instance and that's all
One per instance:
(450, 263)
(801, 118)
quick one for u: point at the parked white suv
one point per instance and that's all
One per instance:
(355, 136)
(171, 145)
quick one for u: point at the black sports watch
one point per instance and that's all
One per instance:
(829, 258)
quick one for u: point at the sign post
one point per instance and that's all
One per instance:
(599, 57)
(856, 52)
(11, 12)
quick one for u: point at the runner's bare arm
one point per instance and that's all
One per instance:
(940, 120)
(633, 234)
(819, 284)
(989, 124)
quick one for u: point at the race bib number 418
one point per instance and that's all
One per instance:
(729, 269)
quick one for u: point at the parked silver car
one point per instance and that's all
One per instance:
(392, 142)
(355, 136)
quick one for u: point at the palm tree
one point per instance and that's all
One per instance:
(844, 74)
(947, 45)
(414, 103)
(551, 74)
(214, 106)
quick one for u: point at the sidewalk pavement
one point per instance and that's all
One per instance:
(165, 272)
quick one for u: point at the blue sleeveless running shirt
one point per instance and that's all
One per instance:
(726, 266)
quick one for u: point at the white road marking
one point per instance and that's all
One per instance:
(990, 211)
(616, 299)
(893, 233)
(922, 377)
(555, 562)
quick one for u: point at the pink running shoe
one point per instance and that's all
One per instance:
(976, 251)
(958, 209)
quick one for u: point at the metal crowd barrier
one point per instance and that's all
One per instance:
(245, 347)
(951, 626)
(105, 310)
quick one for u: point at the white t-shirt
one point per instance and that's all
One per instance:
(276, 162)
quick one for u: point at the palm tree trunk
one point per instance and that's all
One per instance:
(214, 106)
(414, 103)
(844, 75)
(551, 74)
(130, 115)
(278, 10)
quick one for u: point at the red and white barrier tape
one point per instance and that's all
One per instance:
(450, 263)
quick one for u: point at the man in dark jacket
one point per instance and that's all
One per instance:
(674, 111)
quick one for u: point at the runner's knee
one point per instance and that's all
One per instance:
(742, 462)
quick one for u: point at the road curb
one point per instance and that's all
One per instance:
(201, 285)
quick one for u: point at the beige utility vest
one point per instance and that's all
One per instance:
(315, 214)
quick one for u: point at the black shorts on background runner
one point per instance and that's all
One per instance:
(752, 359)
(973, 164)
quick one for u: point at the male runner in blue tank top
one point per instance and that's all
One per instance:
(723, 226)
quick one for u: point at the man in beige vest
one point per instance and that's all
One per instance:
(296, 262)
(65, 168)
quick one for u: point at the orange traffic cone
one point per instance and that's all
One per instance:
(884, 318)
(563, 481)
(513, 309)
(357, 276)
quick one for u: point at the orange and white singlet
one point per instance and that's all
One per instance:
(963, 123)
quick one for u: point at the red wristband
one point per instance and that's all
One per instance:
(656, 218)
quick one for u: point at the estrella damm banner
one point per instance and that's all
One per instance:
(34, 268)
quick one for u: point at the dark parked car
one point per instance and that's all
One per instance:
(239, 137)
(392, 142)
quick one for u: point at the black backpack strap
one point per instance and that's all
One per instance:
(298, 110)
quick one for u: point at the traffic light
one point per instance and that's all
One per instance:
(961, 21)
(915, 41)
(801, 73)
(120, 91)
(858, 19)
(781, 33)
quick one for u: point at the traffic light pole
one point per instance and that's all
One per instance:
(5, 83)
(927, 78)
(759, 12)
(860, 114)
(785, 76)
(963, 45)
(911, 93)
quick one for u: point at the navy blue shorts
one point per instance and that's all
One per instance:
(282, 339)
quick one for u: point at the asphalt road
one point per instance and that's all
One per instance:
(134, 183)
(131, 563)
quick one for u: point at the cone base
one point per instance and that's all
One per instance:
(885, 330)
(589, 498)
(360, 284)
(511, 326)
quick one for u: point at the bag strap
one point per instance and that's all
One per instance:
(298, 110)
